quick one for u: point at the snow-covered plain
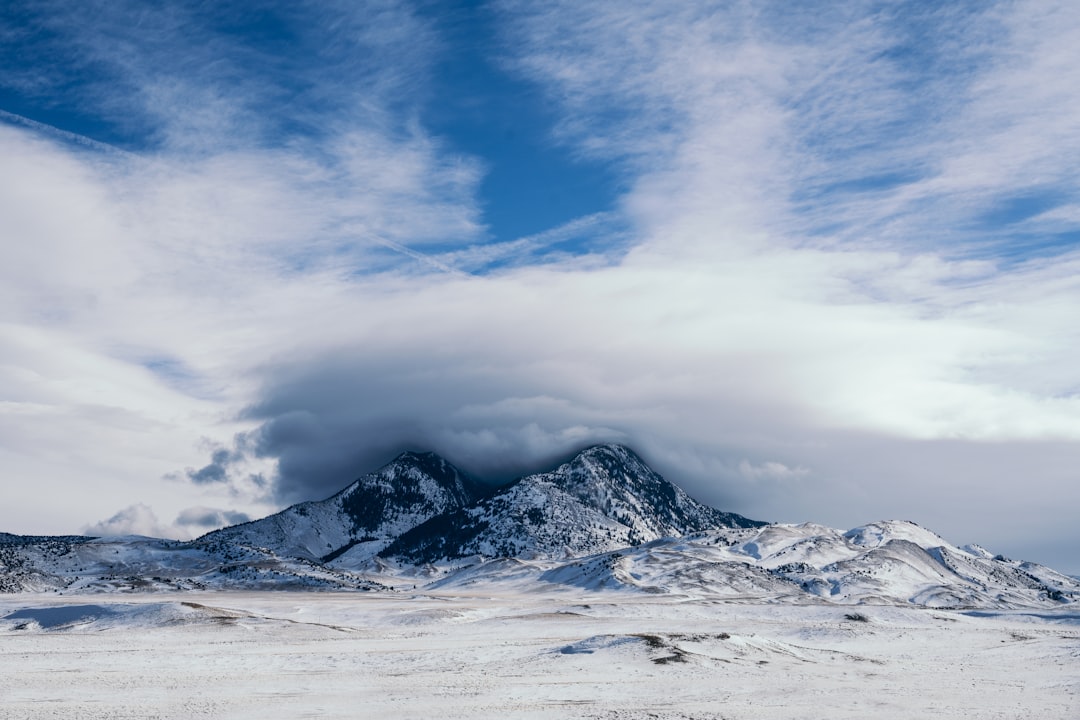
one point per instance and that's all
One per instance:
(516, 652)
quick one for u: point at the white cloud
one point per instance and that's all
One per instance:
(136, 519)
(770, 470)
(152, 302)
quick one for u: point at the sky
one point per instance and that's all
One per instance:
(814, 262)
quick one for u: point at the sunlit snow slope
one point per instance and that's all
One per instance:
(602, 521)
(884, 562)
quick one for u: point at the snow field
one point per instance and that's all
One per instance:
(524, 654)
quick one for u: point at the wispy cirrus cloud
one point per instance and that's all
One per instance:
(912, 127)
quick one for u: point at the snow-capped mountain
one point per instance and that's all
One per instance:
(602, 521)
(880, 563)
(603, 499)
(363, 518)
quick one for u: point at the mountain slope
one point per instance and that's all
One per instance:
(26, 561)
(364, 517)
(605, 498)
(142, 564)
(890, 562)
(603, 521)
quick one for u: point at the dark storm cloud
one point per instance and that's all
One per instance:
(328, 420)
(216, 471)
(335, 419)
(204, 517)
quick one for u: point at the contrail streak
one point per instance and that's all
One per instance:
(417, 255)
(66, 135)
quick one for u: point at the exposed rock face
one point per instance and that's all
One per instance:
(603, 520)
(364, 517)
(603, 499)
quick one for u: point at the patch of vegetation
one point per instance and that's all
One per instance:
(442, 536)
(653, 641)
(678, 657)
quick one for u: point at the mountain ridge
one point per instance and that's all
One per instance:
(368, 513)
(603, 520)
(605, 497)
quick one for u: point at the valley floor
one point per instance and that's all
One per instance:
(524, 655)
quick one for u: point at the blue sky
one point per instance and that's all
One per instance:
(814, 264)
(486, 110)
(297, 77)
(544, 151)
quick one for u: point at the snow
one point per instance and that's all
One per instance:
(518, 652)
(888, 562)
(540, 600)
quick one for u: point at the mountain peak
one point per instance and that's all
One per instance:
(423, 464)
(424, 460)
(607, 452)
(608, 448)
(369, 513)
(610, 462)
(419, 456)
(605, 497)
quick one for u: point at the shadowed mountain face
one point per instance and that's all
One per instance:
(413, 485)
(365, 516)
(603, 499)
